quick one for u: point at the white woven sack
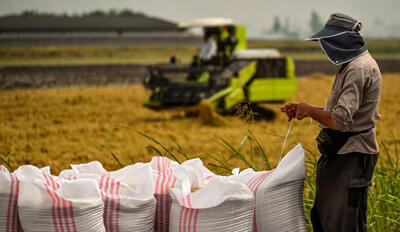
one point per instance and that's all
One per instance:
(164, 179)
(9, 189)
(199, 176)
(278, 194)
(220, 206)
(137, 176)
(127, 207)
(52, 204)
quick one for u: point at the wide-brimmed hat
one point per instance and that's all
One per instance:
(337, 24)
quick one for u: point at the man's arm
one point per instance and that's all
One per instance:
(315, 112)
(303, 110)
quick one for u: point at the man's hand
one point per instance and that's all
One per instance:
(303, 110)
(290, 109)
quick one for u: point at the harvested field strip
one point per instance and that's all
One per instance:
(55, 55)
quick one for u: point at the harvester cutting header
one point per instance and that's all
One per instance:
(232, 76)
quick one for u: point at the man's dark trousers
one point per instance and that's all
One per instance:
(342, 192)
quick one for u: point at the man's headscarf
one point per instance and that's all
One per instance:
(340, 38)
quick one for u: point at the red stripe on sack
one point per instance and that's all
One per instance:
(101, 186)
(252, 183)
(71, 213)
(255, 228)
(255, 199)
(106, 202)
(259, 184)
(10, 202)
(195, 220)
(251, 180)
(118, 206)
(157, 195)
(190, 219)
(162, 195)
(15, 216)
(53, 209)
(208, 179)
(185, 219)
(256, 182)
(191, 211)
(53, 184)
(158, 176)
(45, 177)
(53, 206)
(173, 182)
(58, 203)
(167, 201)
(60, 218)
(182, 209)
(112, 204)
(65, 213)
(180, 219)
(188, 201)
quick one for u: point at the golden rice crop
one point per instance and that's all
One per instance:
(60, 126)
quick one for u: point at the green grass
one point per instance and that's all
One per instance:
(384, 195)
(384, 200)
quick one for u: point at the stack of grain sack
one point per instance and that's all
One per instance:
(9, 188)
(277, 204)
(129, 204)
(278, 193)
(164, 179)
(161, 195)
(47, 203)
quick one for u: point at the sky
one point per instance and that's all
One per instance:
(379, 18)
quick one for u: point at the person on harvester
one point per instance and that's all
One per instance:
(208, 50)
(347, 141)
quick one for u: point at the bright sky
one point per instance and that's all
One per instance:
(379, 17)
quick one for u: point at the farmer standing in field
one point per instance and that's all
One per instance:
(347, 140)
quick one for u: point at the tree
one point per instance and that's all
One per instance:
(276, 27)
(315, 22)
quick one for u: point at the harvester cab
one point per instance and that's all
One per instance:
(235, 76)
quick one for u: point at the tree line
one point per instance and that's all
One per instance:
(95, 13)
(315, 24)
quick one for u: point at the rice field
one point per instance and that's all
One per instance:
(46, 126)
(57, 127)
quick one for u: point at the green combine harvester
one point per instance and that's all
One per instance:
(236, 76)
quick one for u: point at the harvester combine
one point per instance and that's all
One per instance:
(235, 76)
